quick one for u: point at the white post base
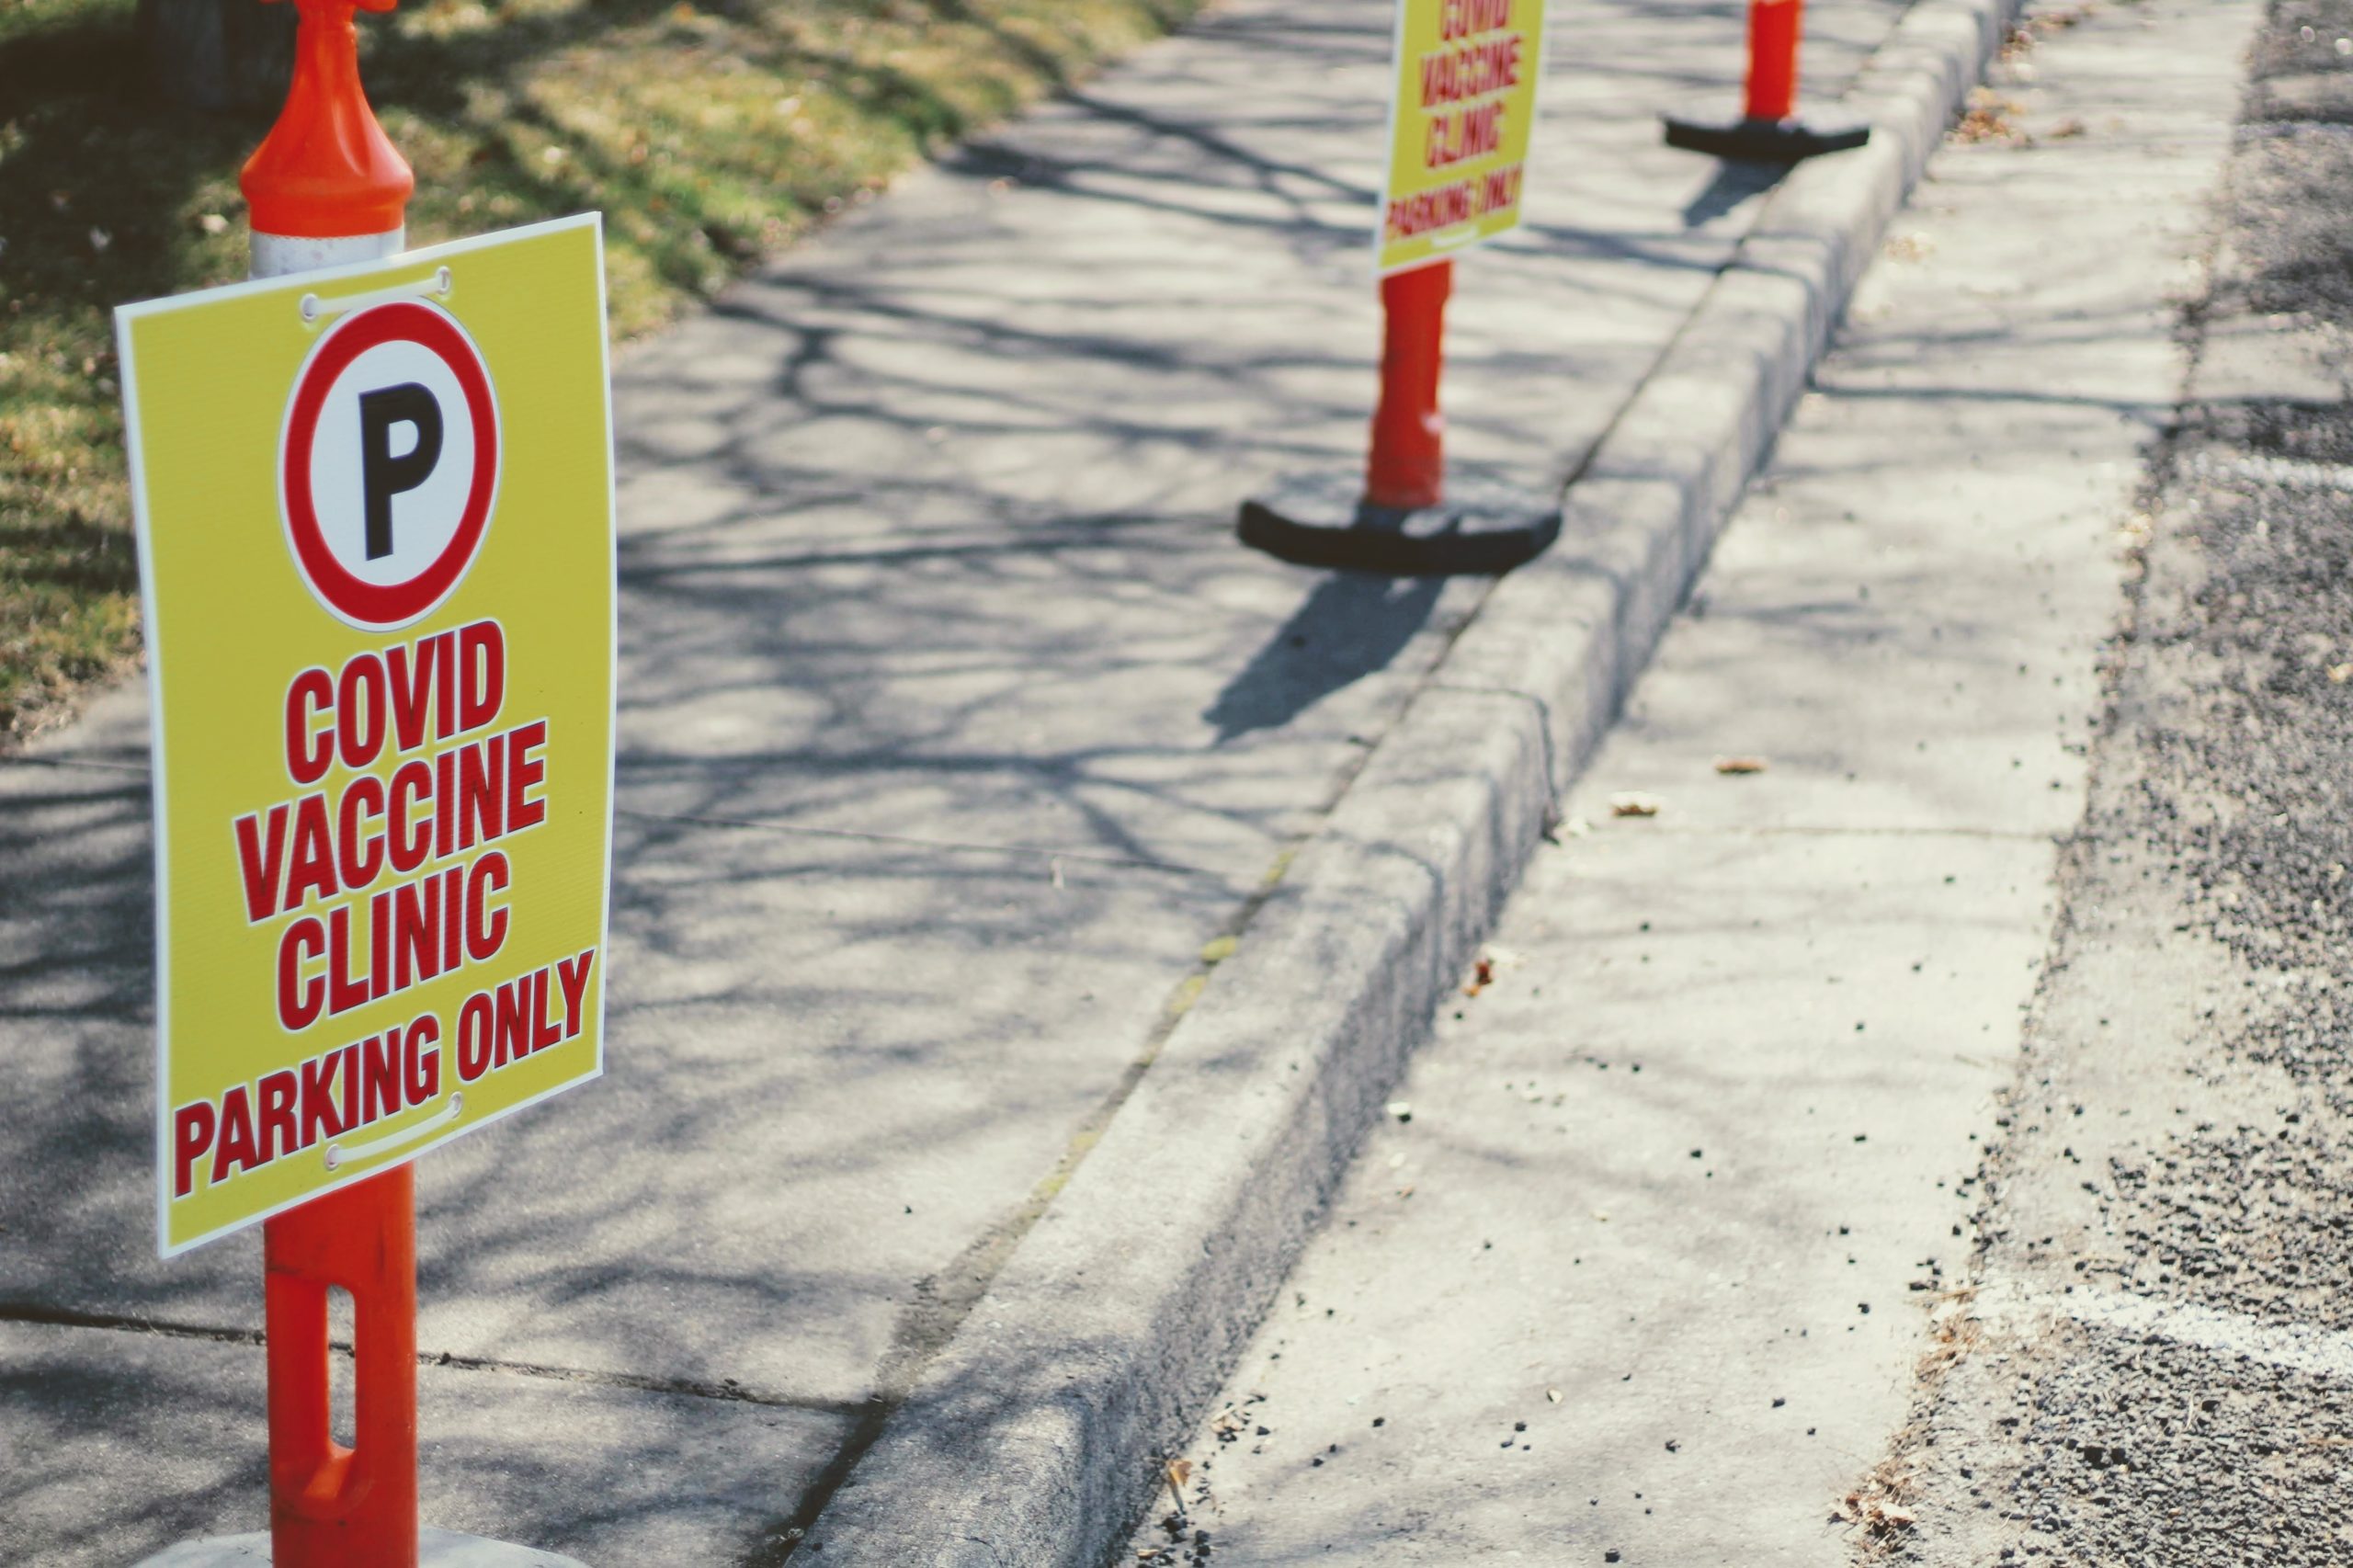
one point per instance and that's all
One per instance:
(275, 255)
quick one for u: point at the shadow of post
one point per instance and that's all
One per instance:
(1351, 625)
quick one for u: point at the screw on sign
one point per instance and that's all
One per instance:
(375, 521)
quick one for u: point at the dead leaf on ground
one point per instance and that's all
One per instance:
(1634, 803)
(1990, 118)
(1735, 765)
(1179, 1472)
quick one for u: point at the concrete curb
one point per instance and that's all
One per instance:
(1034, 1439)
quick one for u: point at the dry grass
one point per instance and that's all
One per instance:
(1879, 1507)
(711, 135)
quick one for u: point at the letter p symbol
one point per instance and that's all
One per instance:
(382, 475)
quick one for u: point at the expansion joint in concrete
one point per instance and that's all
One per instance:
(119, 1323)
(950, 846)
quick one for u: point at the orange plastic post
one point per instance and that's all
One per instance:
(1409, 464)
(326, 170)
(1773, 31)
(332, 1506)
(327, 186)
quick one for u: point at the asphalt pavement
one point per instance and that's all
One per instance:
(2151, 1365)
(1685, 1199)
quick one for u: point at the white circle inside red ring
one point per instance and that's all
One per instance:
(438, 526)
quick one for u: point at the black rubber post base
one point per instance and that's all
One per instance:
(1483, 527)
(1766, 141)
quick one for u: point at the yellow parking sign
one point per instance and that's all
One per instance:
(1458, 125)
(375, 516)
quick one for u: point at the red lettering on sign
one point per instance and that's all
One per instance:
(234, 1150)
(192, 1128)
(412, 842)
(421, 1060)
(474, 1031)
(379, 1075)
(416, 932)
(359, 717)
(309, 753)
(572, 974)
(409, 670)
(524, 772)
(482, 794)
(321, 1118)
(299, 997)
(276, 1122)
(482, 665)
(314, 853)
(485, 926)
(261, 860)
(359, 849)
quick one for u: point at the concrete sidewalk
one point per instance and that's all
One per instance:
(1639, 1267)
(955, 728)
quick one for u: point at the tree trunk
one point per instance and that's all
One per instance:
(219, 55)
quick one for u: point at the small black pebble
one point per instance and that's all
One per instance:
(1380, 1420)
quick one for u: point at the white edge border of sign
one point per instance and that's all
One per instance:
(297, 285)
(140, 534)
(1396, 106)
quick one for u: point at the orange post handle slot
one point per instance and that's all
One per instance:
(1409, 464)
(332, 1506)
(1774, 27)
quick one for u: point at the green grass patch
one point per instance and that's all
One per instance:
(711, 133)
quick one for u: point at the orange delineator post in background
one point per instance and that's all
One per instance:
(332, 1506)
(1407, 468)
(1405, 520)
(1768, 128)
(1773, 31)
(325, 174)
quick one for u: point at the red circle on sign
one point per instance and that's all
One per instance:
(379, 606)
